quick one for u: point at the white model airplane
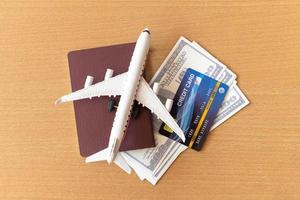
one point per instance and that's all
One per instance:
(131, 86)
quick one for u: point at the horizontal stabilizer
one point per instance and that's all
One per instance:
(99, 156)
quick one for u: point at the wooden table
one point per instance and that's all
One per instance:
(254, 155)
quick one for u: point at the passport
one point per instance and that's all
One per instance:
(93, 120)
(196, 104)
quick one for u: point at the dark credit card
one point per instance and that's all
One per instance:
(196, 104)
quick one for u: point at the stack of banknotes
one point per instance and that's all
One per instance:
(152, 163)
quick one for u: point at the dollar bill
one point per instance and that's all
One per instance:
(233, 102)
(186, 54)
(152, 163)
(227, 76)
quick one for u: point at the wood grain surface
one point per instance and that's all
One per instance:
(254, 155)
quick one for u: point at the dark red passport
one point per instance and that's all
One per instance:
(93, 120)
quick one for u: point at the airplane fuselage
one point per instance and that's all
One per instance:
(129, 89)
(130, 86)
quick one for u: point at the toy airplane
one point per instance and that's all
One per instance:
(131, 86)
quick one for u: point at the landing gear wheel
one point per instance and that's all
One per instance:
(111, 105)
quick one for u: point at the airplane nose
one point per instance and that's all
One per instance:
(146, 30)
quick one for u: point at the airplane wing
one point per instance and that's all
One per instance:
(109, 87)
(148, 98)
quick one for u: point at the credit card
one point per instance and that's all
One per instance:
(196, 104)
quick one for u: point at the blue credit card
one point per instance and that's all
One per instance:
(196, 104)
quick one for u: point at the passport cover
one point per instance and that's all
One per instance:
(93, 120)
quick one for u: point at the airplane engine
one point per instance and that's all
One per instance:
(169, 104)
(109, 73)
(88, 81)
(111, 105)
(136, 109)
(156, 87)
